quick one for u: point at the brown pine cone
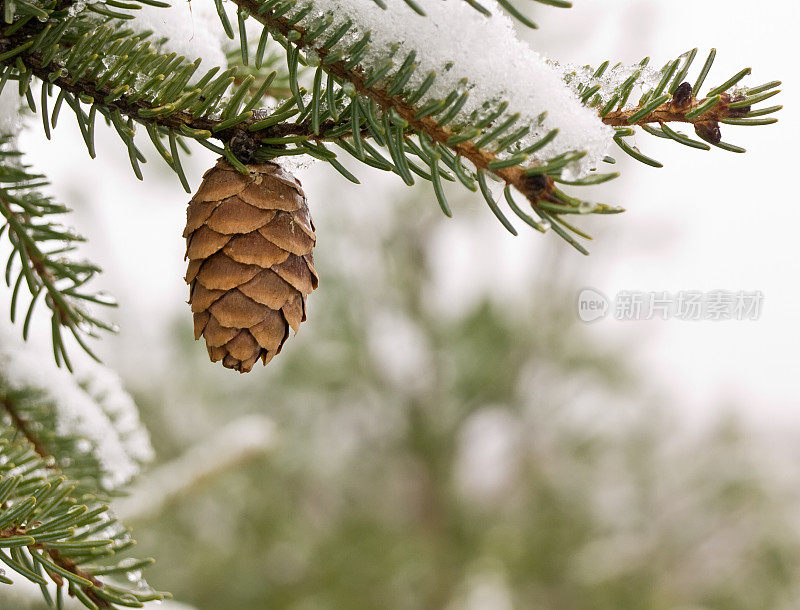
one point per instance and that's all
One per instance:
(249, 242)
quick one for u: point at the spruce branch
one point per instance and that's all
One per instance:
(54, 527)
(121, 104)
(41, 247)
(55, 536)
(170, 110)
(34, 419)
(667, 98)
(185, 122)
(25, 428)
(59, 517)
(405, 119)
(349, 105)
(533, 178)
(676, 110)
(80, 421)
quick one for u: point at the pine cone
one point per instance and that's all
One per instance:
(249, 242)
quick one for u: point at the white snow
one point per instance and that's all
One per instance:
(191, 30)
(91, 403)
(458, 42)
(610, 80)
(105, 386)
(10, 117)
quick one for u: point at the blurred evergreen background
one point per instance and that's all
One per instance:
(489, 459)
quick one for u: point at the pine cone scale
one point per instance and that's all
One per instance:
(235, 310)
(234, 216)
(221, 272)
(282, 198)
(200, 320)
(205, 242)
(197, 214)
(268, 289)
(220, 183)
(254, 249)
(249, 245)
(243, 346)
(192, 269)
(217, 335)
(284, 232)
(202, 298)
(271, 332)
(295, 272)
(295, 313)
(309, 258)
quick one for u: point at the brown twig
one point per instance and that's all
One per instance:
(63, 562)
(37, 262)
(24, 428)
(674, 112)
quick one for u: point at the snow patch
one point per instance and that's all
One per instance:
(458, 42)
(91, 403)
(10, 115)
(611, 80)
(191, 30)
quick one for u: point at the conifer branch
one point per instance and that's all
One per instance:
(357, 103)
(17, 532)
(48, 420)
(533, 178)
(530, 182)
(675, 111)
(669, 98)
(42, 245)
(87, 88)
(24, 428)
(50, 532)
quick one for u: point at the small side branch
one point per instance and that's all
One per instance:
(24, 428)
(682, 108)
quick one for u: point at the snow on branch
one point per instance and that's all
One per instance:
(90, 406)
(10, 116)
(189, 30)
(474, 54)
